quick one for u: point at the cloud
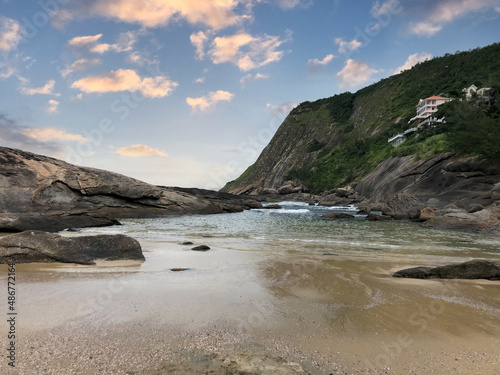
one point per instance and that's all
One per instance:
(281, 109)
(61, 18)
(10, 34)
(345, 46)
(47, 89)
(441, 12)
(125, 42)
(139, 151)
(126, 80)
(316, 64)
(52, 106)
(157, 87)
(424, 28)
(53, 134)
(199, 80)
(206, 102)
(12, 135)
(246, 51)
(413, 60)
(249, 78)
(355, 73)
(137, 58)
(154, 13)
(80, 41)
(199, 40)
(288, 4)
(78, 65)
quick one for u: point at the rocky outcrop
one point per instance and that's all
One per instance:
(375, 217)
(340, 197)
(339, 216)
(403, 207)
(36, 246)
(272, 207)
(475, 269)
(42, 193)
(438, 181)
(486, 221)
(445, 192)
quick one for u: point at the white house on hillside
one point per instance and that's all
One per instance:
(427, 107)
(481, 93)
(400, 138)
(470, 91)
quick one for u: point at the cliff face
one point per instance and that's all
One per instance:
(38, 192)
(293, 146)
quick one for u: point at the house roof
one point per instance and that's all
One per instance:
(436, 97)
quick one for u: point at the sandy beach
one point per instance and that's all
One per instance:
(285, 311)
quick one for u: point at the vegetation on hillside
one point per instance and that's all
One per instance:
(341, 139)
(471, 128)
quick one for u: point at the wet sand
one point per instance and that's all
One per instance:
(330, 313)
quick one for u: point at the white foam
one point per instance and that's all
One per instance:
(298, 211)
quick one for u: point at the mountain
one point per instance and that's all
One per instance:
(43, 193)
(337, 141)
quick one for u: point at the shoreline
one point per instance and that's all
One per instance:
(331, 315)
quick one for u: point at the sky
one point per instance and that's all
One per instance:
(189, 92)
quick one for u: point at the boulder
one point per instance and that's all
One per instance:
(338, 216)
(474, 269)
(286, 189)
(403, 207)
(340, 197)
(475, 208)
(37, 246)
(427, 213)
(201, 248)
(268, 191)
(272, 207)
(375, 217)
(486, 221)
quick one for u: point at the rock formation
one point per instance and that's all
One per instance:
(43, 193)
(444, 191)
(438, 181)
(36, 246)
(475, 269)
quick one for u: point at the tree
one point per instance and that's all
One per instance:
(472, 130)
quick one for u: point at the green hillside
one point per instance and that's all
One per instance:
(335, 141)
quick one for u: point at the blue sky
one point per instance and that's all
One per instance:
(188, 92)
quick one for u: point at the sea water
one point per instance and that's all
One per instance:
(303, 227)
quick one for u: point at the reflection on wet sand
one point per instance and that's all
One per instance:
(256, 302)
(353, 310)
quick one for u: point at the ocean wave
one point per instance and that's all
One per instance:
(291, 203)
(300, 211)
(351, 207)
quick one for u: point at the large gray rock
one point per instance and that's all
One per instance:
(486, 221)
(37, 246)
(437, 181)
(340, 197)
(403, 207)
(38, 192)
(495, 193)
(475, 269)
